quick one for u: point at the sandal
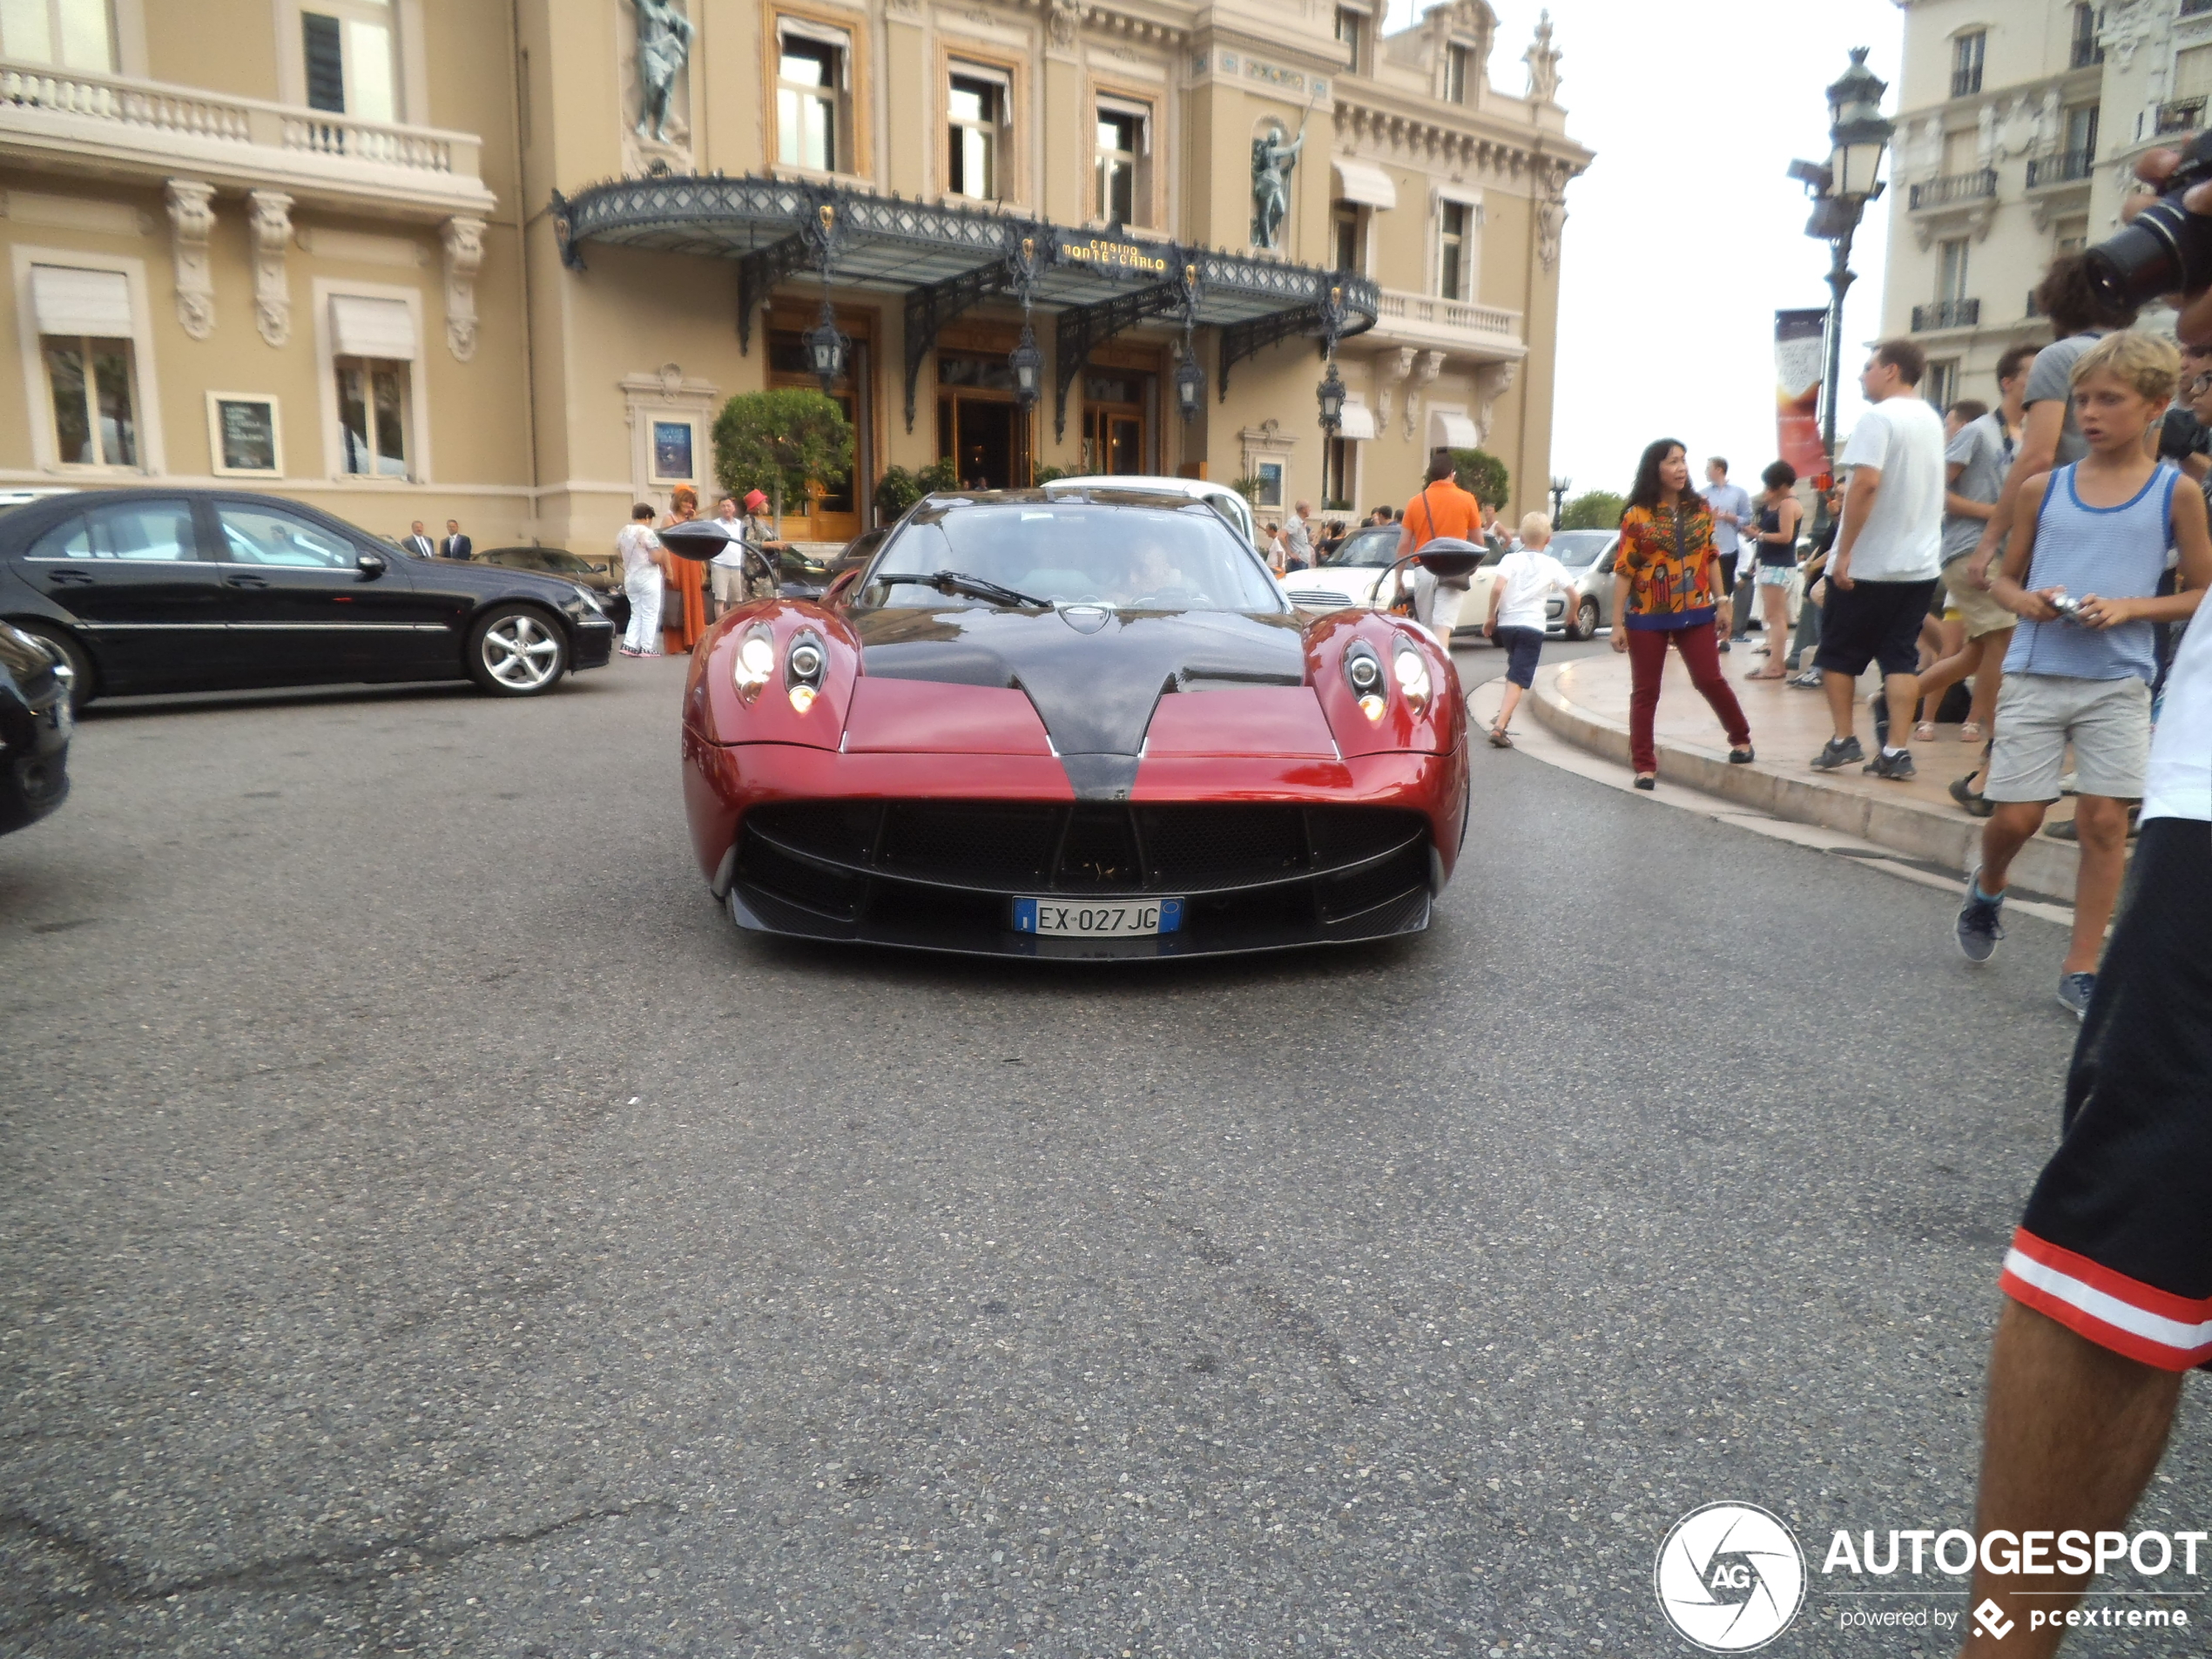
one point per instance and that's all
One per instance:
(1970, 731)
(1768, 674)
(1924, 732)
(1499, 740)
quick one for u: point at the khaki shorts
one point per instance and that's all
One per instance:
(1972, 605)
(2107, 722)
(729, 583)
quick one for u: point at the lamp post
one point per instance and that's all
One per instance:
(1190, 378)
(1559, 486)
(1841, 187)
(826, 345)
(1330, 390)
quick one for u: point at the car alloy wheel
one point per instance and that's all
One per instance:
(1586, 618)
(517, 652)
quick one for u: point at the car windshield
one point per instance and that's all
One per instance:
(1142, 557)
(1575, 549)
(1372, 547)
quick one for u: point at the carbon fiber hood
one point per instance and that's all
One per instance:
(1093, 690)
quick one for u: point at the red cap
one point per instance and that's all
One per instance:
(755, 501)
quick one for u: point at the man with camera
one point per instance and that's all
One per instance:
(2109, 1279)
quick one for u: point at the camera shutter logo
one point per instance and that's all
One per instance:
(1729, 1577)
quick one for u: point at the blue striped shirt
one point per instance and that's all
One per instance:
(2114, 552)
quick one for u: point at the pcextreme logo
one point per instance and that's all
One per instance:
(1729, 1577)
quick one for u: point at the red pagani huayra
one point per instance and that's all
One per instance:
(1071, 724)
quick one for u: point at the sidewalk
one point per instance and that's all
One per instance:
(1587, 702)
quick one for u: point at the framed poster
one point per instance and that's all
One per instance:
(244, 437)
(1271, 483)
(673, 452)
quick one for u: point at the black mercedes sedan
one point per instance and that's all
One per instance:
(155, 589)
(34, 720)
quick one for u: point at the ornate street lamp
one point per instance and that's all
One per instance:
(1028, 364)
(826, 346)
(1559, 486)
(1190, 378)
(1840, 188)
(1331, 393)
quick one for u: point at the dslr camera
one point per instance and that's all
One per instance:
(2165, 248)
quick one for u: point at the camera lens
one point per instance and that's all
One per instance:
(2145, 259)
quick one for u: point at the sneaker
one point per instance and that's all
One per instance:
(1808, 681)
(1980, 926)
(1839, 753)
(2075, 992)
(1898, 767)
(1976, 804)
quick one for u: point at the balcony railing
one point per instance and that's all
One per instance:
(2062, 169)
(1955, 187)
(184, 126)
(1428, 312)
(2182, 115)
(1946, 314)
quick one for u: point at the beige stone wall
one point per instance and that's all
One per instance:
(533, 437)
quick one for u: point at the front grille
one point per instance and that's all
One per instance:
(944, 872)
(1085, 848)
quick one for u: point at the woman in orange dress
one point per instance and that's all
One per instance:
(686, 578)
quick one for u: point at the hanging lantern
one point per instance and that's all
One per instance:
(826, 347)
(1028, 364)
(1189, 382)
(1330, 392)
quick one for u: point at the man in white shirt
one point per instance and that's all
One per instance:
(1297, 538)
(726, 570)
(1731, 506)
(1888, 553)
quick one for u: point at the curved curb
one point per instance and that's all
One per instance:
(1950, 840)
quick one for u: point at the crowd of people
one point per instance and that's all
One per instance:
(674, 601)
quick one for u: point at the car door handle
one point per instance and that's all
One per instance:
(245, 580)
(69, 579)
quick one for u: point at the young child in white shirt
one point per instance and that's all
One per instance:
(1525, 579)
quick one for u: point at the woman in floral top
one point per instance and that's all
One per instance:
(1664, 582)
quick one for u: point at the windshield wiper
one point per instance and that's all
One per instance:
(973, 586)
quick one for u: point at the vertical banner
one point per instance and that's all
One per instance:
(1800, 355)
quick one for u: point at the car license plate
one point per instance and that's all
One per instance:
(1096, 920)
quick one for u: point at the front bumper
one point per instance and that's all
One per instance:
(929, 852)
(34, 755)
(591, 641)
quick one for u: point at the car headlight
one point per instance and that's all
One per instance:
(1365, 670)
(1413, 676)
(755, 660)
(804, 665)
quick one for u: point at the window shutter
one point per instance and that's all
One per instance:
(2192, 73)
(365, 327)
(72, 301)
(326, 63)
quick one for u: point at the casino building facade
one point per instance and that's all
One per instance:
(501, 262)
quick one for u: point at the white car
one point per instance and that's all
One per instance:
(1224, 501)
(1352, 577)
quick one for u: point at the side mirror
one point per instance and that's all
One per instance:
(1448, 563)
(834, 594)
(371, 565)
(698, 539)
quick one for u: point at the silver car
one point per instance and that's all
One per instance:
(1348, 576)
(1587, 556)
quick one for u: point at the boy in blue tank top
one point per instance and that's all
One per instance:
(2082, 570)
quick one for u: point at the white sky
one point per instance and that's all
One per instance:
(1685, 237)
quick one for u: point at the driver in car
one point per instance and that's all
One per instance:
(1151, 575)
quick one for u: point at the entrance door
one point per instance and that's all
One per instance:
(835, 516)
(980, 429)
(1116, 406)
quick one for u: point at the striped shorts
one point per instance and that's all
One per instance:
(2116, 1244)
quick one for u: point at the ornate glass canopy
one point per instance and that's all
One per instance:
(944, 259)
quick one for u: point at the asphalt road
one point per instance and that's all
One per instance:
(426, 1226)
